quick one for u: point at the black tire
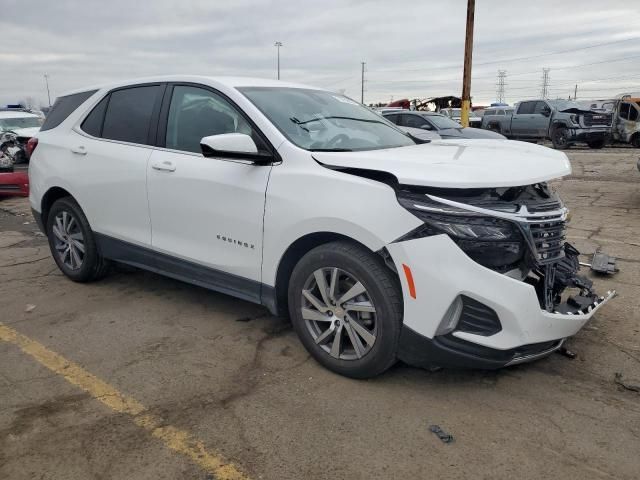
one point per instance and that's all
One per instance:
(559, 138)
(596, 144)
(93, 266)
(635, 140)
(383, 290)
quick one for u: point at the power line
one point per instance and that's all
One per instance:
(517, 59)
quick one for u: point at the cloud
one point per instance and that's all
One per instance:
(412, 49)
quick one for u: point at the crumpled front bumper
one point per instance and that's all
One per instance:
(440, 272)
(589, 134)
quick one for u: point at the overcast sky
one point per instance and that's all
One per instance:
(412, 48)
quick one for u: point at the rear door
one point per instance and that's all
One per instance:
(113, 145)
(207, 212)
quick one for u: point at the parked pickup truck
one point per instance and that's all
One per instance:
(562, 121)
(626, 118)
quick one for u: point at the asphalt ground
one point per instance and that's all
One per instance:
(143, 377)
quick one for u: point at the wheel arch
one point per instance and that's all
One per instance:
(555, 124)
(278, 302)
(49, 198)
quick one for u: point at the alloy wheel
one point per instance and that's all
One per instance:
(339, 313)
(68, 240)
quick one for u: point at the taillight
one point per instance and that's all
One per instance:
(31, 146)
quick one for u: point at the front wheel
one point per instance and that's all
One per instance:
(346, 307)
(72, 242)
(560, 138)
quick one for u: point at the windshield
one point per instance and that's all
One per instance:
(323, 121)
(20, 122)
(441, 121)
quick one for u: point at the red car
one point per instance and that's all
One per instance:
(14, 184)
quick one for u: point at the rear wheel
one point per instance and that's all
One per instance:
(596, 144)
(72, 242)
(346, 307)
(635, 140)
(560, 138)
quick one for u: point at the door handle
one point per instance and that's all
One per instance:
(164, 166)
(79, 150)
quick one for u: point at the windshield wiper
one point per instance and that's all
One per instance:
(298, 122)
(330, 150)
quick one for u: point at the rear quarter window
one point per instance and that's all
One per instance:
(63, 107)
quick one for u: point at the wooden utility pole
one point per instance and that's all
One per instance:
(468, 53)
(575, 92)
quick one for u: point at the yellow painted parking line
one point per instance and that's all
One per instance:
(174, 438)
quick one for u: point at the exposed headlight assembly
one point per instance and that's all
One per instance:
(493, 242)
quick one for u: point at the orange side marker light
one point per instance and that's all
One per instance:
(409, 275)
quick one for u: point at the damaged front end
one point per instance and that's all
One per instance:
(516, 231)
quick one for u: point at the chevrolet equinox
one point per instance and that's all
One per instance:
(448, 253)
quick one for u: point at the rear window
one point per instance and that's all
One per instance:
(63, 107)
(129, 113)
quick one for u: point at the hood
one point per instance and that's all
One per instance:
(578, 110)
(469, 133)
(26, 132)
(459, 163)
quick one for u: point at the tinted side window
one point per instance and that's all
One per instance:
(128, 114)
(417, 121)
(195, 113)
(490, 112)
(540, 106)
(633, 113)
(393, 118)
(526, 107)
(63, 107)
(93, 123)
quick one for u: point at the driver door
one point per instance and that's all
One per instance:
(206, 213)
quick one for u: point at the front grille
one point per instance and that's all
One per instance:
(544, 206)
(597, 119)
(547, 236)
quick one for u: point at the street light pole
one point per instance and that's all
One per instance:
(46, 81)
(468, 52)
(278, 45)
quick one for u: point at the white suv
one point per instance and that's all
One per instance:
(439, 254)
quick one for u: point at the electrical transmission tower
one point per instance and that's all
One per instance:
(502, 75)
(545, 83)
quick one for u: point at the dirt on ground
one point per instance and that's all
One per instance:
(238, 380)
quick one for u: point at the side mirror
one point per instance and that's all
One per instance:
(426, 126)
(546, 112)
(233, 145)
